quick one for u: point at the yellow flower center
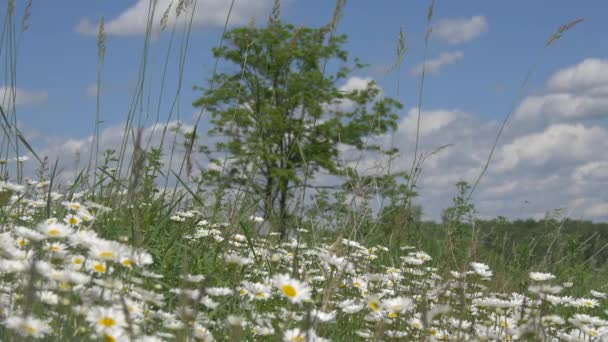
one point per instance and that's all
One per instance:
(22, 242)
(392, 315)
(357, 284)
(73, 221)
(127, 262)
(101, 268)
(78, 261)
(109, 338)
(106, 254)
(55, 248)
(243, 292)
(107, 322)
(261, 295)
(374, 305)
(588, 303)
(289, 291)
(64, 285)
(298, 338)
(29, 330)
(54, 232)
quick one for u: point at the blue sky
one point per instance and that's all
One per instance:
(481, 51)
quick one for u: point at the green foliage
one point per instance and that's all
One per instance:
(281, 114)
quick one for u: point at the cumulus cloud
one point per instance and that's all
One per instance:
(574, 94)
(559, 143)
(554, 107)
(207, 13)
(432, 66)
(461, 30)
(430, 121)
(22, 96)
(67, 151)
(589, 76)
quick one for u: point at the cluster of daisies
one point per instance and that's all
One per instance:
(60, 279)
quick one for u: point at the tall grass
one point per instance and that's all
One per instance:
(137, 249)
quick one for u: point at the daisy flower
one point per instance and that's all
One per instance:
(72, 220)
(106, 319)
(292, 289)
(27, 326)
(540, 276)
(55, 230)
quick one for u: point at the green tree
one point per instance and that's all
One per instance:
(281, 114)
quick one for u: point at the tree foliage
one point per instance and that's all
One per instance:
(281, 114)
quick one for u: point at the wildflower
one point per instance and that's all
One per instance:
(416, 323)
(177, 218)
(412, 260)
(57, 250)
(324, 316)
(72, 220)
(190, 278)
(350, 306)
(219, 291)
(374, 304)
(48, 297)
(76, 262)
(397, 305)
(75, 206)
(294, 290)
(55, 230)
(257, 291)
(539, 276)
(237, 260)
(598, 294)
(482, 270)
(106, 318)
(586, 303)
(202, 333)
(294, 335)
(27, 326)
(115, 334)
(256, 219)
(27, 233)
(97, 266)
(106, 250)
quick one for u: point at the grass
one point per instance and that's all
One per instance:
(136, 250)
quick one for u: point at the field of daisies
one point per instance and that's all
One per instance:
(69, 272)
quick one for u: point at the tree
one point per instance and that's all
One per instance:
(281, 114)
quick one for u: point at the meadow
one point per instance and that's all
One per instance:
(145, 244)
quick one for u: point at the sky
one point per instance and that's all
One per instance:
(551, 154)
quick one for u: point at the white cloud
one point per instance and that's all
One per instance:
(597, 210)
(433, 65)
(355, 83)
(578, 92)
(208, 13)
(22, 96)
(592, 172)
(561, 106)
(560, 143)
(68, 150)
(430, 121)
(461, 30)
(590, 76)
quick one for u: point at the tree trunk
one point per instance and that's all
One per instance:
(283, 207)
